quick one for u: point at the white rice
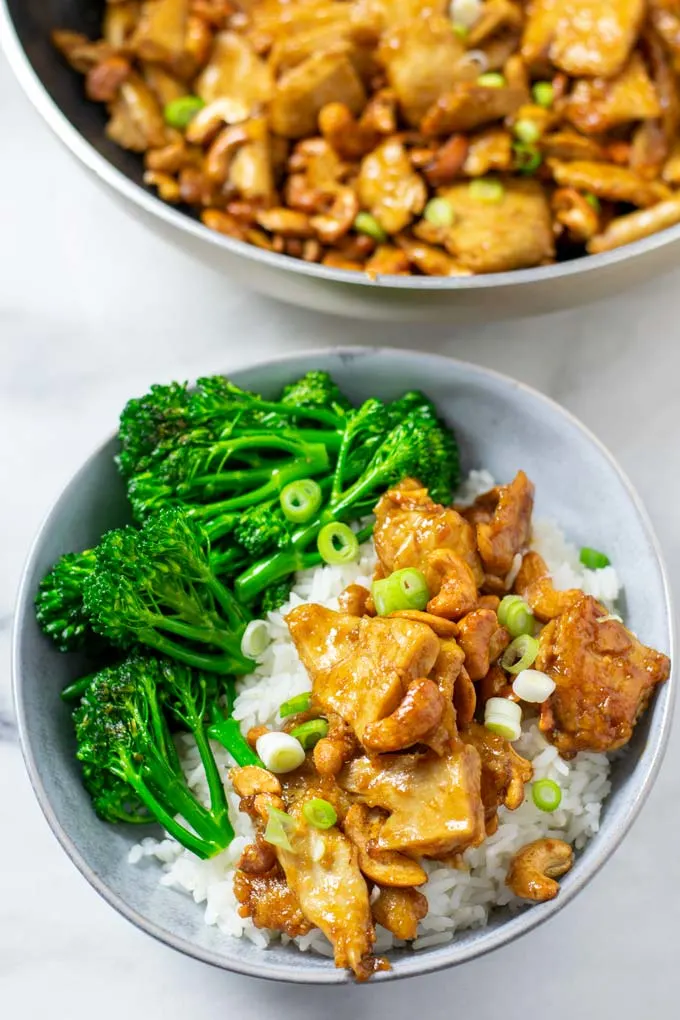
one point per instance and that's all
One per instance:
(457, 899)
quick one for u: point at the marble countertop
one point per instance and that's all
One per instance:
(92, 310)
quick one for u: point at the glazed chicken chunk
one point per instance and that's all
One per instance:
(434, 803)
(502, 519)
(362, 668)
(604, 676)
(413, 531)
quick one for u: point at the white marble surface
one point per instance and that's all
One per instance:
(92, 310)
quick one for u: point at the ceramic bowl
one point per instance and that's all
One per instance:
(57, 93)
(502, 426)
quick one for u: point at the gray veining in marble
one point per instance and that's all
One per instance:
(92, 310)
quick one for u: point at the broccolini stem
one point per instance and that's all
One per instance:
(181, 801)
(218, 800)
(201, 847)
(228, 733)
(315, 461)
(255, 579)
(75, 691)
(228, 664)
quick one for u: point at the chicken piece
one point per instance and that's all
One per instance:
(582, 37)
(490, 150)
(389, 188)
(120, 21)
(567, 145)
(419, 712)
(665, 17)
(388, 261)
(504, 772)
(236, 74)
(80, 52)
(454, 581)
(494, 16)
(161, 31)
(136, 119)
(103, 81)
(513, 233)
(302, 92)
(422, 59)
(482, 640)
(386, 867)
(502, 518)
(636, 225)
(413, 531)
(468, 105)
(532, 568)
(322, 870)
(575, 213)
(441, 627)
(360, 668)
(270, 902)
(399, 910)
(597, 105)
(615, 183)
(434, 802)
(430, 260)
(604, 676)
(534, 868)
(494, 685)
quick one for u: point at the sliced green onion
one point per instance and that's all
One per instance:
(486, 190)
(227, 732)
(310, 733)
(320, 813)
(527, 131)
(520, 654)
(279, 824)
(503, 717)
(179, 113)
(516, 616)
(534, 686)
(527, 158)
(337, 544)
(255, 639)
(593, 201)
(364, 223)
(300, 703)
(462, 31)
(593, 559)
(491, 80)
(439, 212)
(301, 500)
(546, 795)
(280, 752)
(404, 589)
(543, 94)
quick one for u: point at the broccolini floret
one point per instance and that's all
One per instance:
(122, 735)
(155, 587)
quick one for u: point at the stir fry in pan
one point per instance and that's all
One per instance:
(395, 137)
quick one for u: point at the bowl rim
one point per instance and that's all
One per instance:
(417, 964)
(155, 207)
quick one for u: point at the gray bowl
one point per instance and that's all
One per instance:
(57, 93)
(502, 425)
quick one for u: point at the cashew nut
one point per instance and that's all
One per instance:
(399, 910)
(335, 223)
(418, 713)
(251, 780)
(534, 868)
(386, 867)
(442, 628)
